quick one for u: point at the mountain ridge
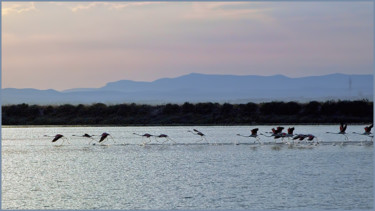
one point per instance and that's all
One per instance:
(197, 87)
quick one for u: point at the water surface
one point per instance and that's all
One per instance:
(226, 172)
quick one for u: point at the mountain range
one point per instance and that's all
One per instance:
(196, 87)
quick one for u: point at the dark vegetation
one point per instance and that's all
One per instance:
(314, 112)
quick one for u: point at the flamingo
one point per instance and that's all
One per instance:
(290, 132)
(87, 136)
(300, 137)
(278, 130)
(164, 136)
(57, 137)
(276, 133)
(104, 136)
(342, 130)
(197, 132)
(367, 132)
(253, 134)
(147, 135)
(311, 137)
(368, 129)
(285, 135)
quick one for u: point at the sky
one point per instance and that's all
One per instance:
(64, 45)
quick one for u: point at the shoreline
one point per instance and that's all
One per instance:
(180, 125)
(188, 114)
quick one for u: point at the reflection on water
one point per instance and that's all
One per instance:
(230, 172)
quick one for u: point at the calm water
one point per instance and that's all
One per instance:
(229, 173)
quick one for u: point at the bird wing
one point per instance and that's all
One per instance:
(56, 138)
(254, 131)
(102, 138)
(368, 129)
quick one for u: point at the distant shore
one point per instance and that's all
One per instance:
(210, 114)
(217, 125)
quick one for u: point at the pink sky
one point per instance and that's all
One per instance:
(63, 45)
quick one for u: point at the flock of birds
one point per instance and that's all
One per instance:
(275, 133)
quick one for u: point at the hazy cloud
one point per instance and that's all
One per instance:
(87, 6)
(109, 5)
(228, 10)
(17, 8)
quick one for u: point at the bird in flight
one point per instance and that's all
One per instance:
(104, 136)
(197, 132)
(275, 132)
(146, 135)
(167, 138)
(57, 137)
(254, 134)
(342, 130)
(367, 131)
(288, 135)
(86, 136)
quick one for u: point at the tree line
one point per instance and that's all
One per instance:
(314, 112)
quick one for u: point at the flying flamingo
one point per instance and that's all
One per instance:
(300, 137)
(57, 137)
(253, 134)
(290, 132)
(86, 136)
(284, 135)
(197, 132)
(279, 129)
(275, 133)
(147, 135)
(164, 136)
(367, 130)
(104, 136)
(342, 130)
(311, 137)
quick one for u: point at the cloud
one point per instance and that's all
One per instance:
(110, 6)
(121, 6)
(229, 10)
(87, 6)
(17, 8)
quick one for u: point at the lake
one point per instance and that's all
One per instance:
(223, 171)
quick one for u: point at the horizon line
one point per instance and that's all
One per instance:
(192, 73)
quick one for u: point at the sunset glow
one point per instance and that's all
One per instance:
(62, 45)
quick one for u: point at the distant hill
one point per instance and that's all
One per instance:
(206, 88)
